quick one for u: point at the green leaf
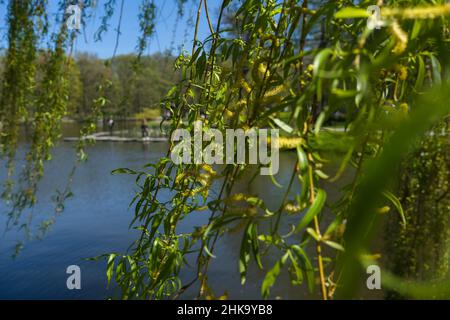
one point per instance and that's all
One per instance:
(255, 245)
(416, 29)
(201, 65)
(340, 93)
(209, 253)
(321, 174)
(314, 210)
(318, 66)
(120, 270)
(110, 267)
(319, 123)
(436, 68)
(123, 171)
(313, 234)
(420, 74)
(272, 275)
(244, 256)
(284, 126)
(343, 165)
(394, 200)
(334, 245)
(320, 60)
(297, 270)
(307, 266)
(302, 159)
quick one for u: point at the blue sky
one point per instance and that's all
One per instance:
(161, 41)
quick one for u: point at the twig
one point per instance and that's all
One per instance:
(118, 30)
(211, 29)
(317, 229)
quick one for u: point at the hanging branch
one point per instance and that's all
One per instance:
(147, 17)
(119, 24)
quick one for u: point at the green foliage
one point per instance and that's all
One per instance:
(419, 248)
(361, 227)
(133, 86)
(300, 67)
(258, 76)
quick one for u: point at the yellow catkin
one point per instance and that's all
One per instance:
(245, 86)
(273, 95)
(240, 105)
(422, 12)
(290, 143)
(401, 71)
(404, 108)
(259, 70)
(292, 208)
(209, 169)
(241, 83)
(401, 38)
(262, 69)
(238, 197)
(275, 91)
(384, 210)
(229, 113)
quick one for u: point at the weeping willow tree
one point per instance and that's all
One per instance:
(20, 103)
(418, 249)
(308, 60)
(35, 101)
(293, 66)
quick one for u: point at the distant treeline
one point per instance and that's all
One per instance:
(131, 85)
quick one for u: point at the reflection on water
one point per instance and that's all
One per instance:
(95, 221)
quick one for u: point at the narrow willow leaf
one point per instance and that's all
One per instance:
(394, 200)
(307, 266)
(343, 165)
(255, 245)
(110, 267)
(318, 65)
(304, 180)
(283, 125)
(313, 234)
(244, 256)
(344, 93)
(123, 171)
(320, 61)
(416, 29)
(420, 74)
(436, 68)
(321, 174)
(334, 245)
(314, 210)
(209, 253)
(272, 275)
(319, 123)
(302, 159)
(201, 65)
(297, 270)
(272, 178)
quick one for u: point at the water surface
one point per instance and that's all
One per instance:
(96, 221)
